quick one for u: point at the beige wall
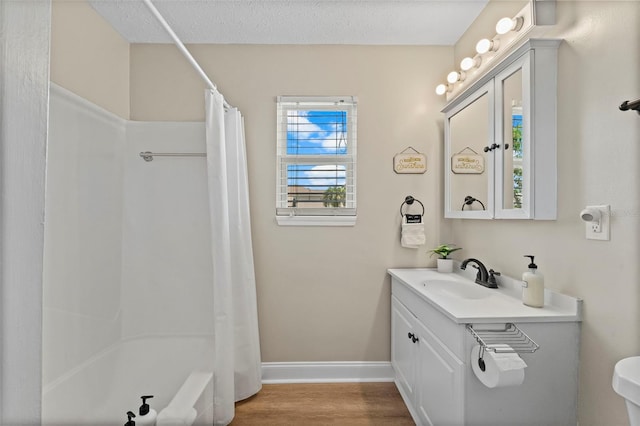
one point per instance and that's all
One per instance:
(88, 57)
(323, 293)
(598, 153)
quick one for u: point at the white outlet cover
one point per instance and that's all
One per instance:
(603, 234)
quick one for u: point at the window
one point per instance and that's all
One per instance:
(316, 170)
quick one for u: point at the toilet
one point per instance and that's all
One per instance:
(626, 382)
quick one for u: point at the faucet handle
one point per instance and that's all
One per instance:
(492, 276)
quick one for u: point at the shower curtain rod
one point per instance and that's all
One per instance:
(182, 48)
(148, 155)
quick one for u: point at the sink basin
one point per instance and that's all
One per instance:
(457, 289)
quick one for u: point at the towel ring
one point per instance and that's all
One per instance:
(409, 201)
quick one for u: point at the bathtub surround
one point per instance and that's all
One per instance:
(112, 212)
(83, 237)
(102, 261)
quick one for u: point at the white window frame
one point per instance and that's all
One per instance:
(323, 216)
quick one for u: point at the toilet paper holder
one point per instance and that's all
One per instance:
(509, 339)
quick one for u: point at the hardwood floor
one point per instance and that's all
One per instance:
(324, 404)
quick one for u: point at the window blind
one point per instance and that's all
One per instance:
(316, 150)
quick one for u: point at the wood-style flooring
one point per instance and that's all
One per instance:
(349, 404)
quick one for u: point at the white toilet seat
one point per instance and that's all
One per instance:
(626, 382)
(626, 379)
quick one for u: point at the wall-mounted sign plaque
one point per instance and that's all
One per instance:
(471, 163)
(410, 162)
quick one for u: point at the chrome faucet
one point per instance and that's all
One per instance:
(483, 277)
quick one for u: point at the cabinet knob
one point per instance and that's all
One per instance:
(415, 339)
(411, 336)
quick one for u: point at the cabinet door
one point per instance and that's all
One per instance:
(469, 132)
(402, 347)
(514, 141)
(439, 383)
(521, 163)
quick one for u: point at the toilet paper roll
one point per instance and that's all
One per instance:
(501, 369)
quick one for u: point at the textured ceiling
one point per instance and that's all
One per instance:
(393, 22)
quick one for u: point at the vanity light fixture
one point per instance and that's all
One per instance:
(485, 45)
(441, 89)
(455, 76)
(506, 25)
(468, 63)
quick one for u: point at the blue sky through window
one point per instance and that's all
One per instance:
(316, 133)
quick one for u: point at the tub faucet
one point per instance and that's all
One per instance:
(482, 277)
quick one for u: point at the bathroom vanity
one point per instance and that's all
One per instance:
(431, 346)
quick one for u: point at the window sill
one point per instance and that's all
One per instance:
(316, 220)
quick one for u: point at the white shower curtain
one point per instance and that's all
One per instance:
(237, 365)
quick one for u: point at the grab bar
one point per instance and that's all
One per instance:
(148, 155)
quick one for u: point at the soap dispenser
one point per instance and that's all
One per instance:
(147, 415)
(130, 422)
(533, 286)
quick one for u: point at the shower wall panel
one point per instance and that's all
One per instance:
(82, 260)
(167, 269)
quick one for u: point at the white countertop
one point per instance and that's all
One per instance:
(485, 305)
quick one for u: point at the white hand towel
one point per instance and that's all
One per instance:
(412, 235)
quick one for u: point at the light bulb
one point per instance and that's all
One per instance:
(485, 45)
(455, 76)
(441, 89)
(467, 63)
(505, 25)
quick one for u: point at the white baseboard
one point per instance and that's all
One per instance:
(326, 372)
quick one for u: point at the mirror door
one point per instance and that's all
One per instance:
(512, 186)
(468, 166)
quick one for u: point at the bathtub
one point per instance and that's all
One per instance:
(105, 387)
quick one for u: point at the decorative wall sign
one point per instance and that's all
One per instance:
(467, 163)
(410, 162)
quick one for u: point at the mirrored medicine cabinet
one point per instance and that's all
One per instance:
(500, 139)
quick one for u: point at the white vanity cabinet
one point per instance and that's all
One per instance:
(431, 354)
(500, 139)
(428, 373)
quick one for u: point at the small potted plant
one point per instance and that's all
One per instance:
(444, 250)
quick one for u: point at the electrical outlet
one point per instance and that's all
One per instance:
(600, 230)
